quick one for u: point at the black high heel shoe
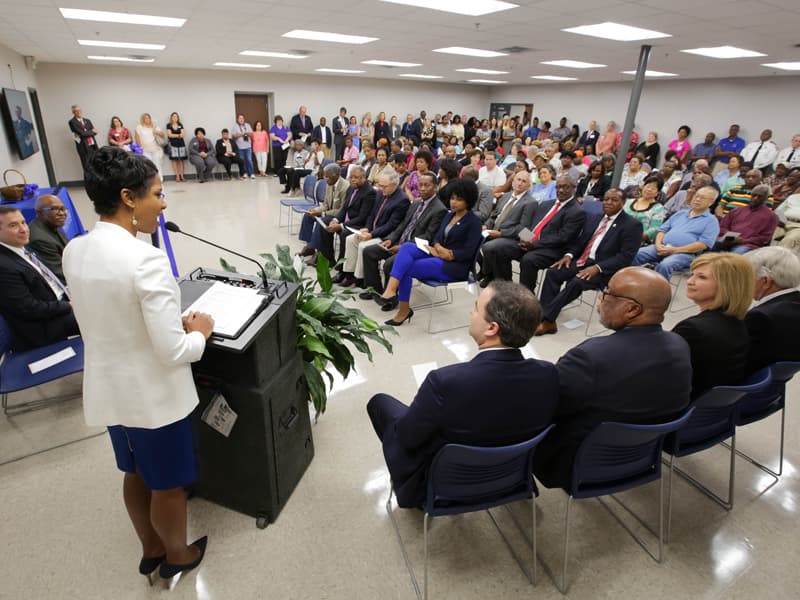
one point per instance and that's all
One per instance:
(148, 567)
(381, 301)
(168, 571)
(394, 323)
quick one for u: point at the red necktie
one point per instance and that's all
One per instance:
(597, 233)
(543, 223)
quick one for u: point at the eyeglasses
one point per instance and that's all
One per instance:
(59, 209)
(605, 292)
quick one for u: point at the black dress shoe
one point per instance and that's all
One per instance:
(283, 191)
(391, 305)
(485, 282)
(366, 295)
(338, 278)
(168, 571)
(149, 566)
(393, 323)
(381, 301)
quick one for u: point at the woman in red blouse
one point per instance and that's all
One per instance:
(119, 135)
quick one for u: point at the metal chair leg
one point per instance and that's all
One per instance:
(775, 474)
(727, 504)
(425, 538)
(563, 587)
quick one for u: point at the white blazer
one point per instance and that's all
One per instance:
(137, 356)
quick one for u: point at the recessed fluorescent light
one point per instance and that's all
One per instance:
(484, 81)
(724, 52)
(473, 8)
(572, 64)
(339, 71)
(123, 59)
(482, 71)
(390, 63)
(420, 76)
(324, 36)
(616, 31)
(271, 54)
(115, 17)
(652, 73)
(554, 78)
(786, 66)
(470, 52)
(132, 45)
(241, 65)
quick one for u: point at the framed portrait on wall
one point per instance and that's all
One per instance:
(19, 122)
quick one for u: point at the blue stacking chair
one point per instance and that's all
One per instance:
(304, 203)
(716, 413)
(465, 479)
(15, 375)
(317, 197)
(613, 458)
(472, 279)
(757, 406)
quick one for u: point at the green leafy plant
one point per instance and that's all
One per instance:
(326, 328)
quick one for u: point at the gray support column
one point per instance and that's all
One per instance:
(633, 107)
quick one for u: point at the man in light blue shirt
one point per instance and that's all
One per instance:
(686, 234)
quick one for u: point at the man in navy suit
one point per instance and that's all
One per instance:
(340, 131)
(640, 374)
(354, 213)
(608, 243)
(33, 300)
(302, 126)
(323, 133)
(498, 398)
(773, 324)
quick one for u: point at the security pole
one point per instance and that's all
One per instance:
(633, 107)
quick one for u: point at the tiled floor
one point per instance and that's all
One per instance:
(65, 533)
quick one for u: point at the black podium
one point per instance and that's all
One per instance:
(259, 376)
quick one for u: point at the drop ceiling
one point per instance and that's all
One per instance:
(216, 31)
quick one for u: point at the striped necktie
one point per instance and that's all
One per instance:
(49, 276)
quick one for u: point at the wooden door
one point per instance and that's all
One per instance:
(254, 107)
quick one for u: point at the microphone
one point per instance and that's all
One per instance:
(173, 227)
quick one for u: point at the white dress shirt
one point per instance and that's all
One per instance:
(137, 356)
(789, 156)
(766, 155)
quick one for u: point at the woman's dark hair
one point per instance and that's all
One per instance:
(524, 161)
(456, 120)
(547, 124)
(594, 164)
(466, 189)
(384, 150)
(198, 129)
(670, 154)
(256, 124)
(118, 119)
(426, 156)
(276, 119)
(112, 170)
(654, 178)
(687, 129)
(450, 168)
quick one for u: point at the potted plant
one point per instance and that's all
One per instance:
(326, 328)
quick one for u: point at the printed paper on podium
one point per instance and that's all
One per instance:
(230, 307)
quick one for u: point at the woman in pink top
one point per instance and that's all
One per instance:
(682, 145)
(260, 139)
(607, 140)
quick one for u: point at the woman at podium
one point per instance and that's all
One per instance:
(138, 349)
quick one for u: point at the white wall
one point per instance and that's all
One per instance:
(206, 98)
(33, 166)
(707, 105)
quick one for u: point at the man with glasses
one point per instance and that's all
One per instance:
(639, 374)
(46, 238)
(34, 302)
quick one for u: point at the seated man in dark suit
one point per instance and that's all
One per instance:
(227, 154)
(33, 300)
(422, 220)
(640, 374)
(46, 238)
(608, 243)
(498, 398)
(774, 323)
(353, 214)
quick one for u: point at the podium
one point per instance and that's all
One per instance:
(259, 375)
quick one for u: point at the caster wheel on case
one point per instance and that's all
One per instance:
(262, 522)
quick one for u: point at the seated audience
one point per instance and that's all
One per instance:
(639, 374)
(790, 156)
(683, 198)
(749, 227)
(422, 220)
(423, 163)
(296, 159)
(650, 149)
(34, 301)
(681, 145)
(589, 138)
(353, 214)
(721, 285)
(772, 324)
(608, 243)
(731, 175)
(789, 219)
(448, 173)
(483, 209)
(728, 147)
(381, 163)
(349, 154)
(704, 150)
(567, 166)
(740, 195)
(545, 189)
(633, 174)
(647, 210)
(202, 155)
(790, 185)
(594, 184)
(491, 174)
(607, 140)
(389, 210)
(685, 234)
(497, 398)
(450, 258)
(227, 154)
(335, 193)
(762, 152)
(313, 162)
(46, 238)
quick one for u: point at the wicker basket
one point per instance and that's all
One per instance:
(13, 193)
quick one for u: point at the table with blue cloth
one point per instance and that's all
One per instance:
(27, 206)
